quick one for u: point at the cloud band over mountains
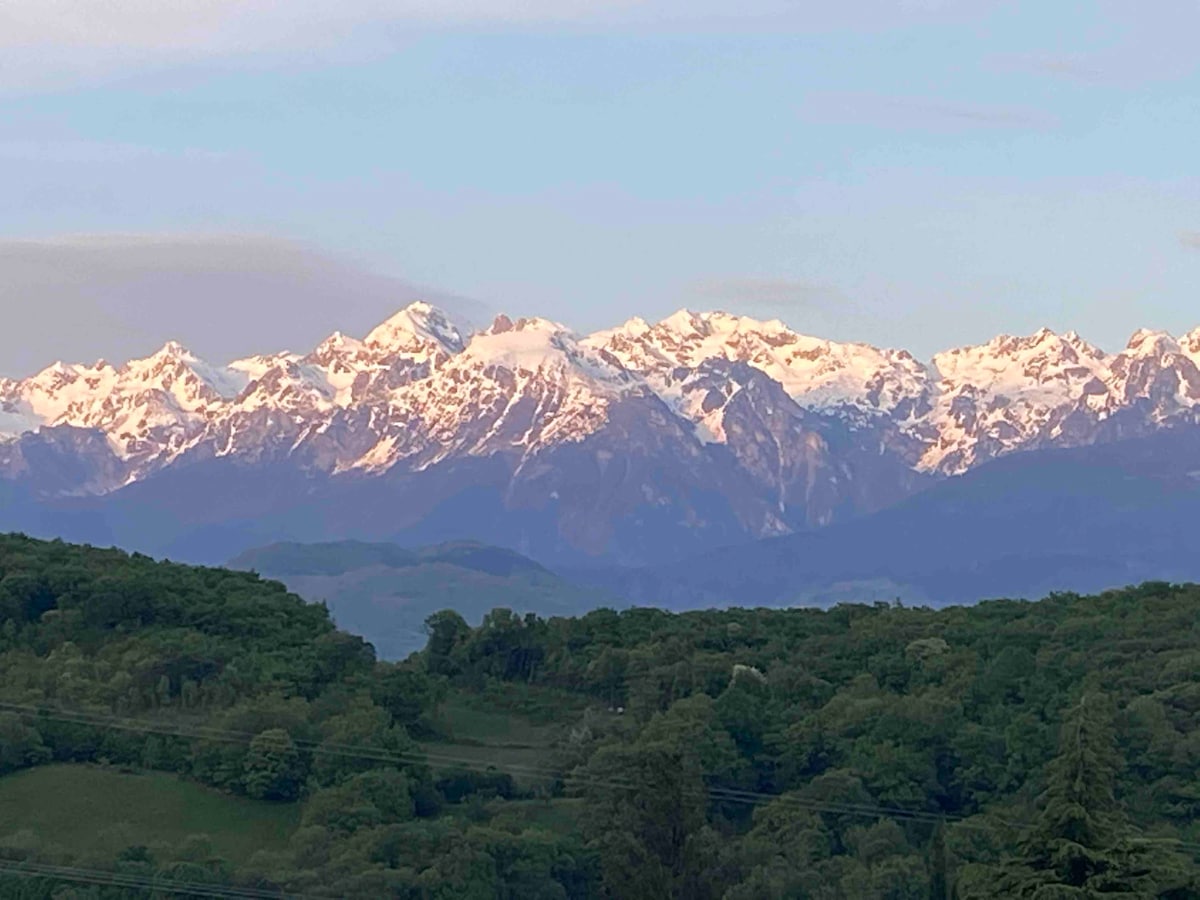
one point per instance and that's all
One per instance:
(118, 296)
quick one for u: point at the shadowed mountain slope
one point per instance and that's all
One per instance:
(1079, 519)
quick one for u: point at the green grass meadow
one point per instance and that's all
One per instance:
(94, 810)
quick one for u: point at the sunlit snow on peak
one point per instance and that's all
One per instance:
(423, 390)
(416, 324)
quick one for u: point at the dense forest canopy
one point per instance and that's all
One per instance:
(1038, 749)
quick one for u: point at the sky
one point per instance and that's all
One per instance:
(250, 175)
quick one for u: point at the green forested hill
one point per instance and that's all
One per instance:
(122, 665)
(1010, 749)
(877, 751)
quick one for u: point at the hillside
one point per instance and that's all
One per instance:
(1081, 519)
(144, 688)
(866, 752)
(871, 751)
(384, 592)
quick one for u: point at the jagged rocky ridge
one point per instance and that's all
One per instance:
(645, 439)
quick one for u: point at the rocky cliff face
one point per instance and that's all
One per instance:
(701, 429)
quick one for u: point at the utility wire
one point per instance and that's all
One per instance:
(425, 756)
(146, 882)
(381, 754)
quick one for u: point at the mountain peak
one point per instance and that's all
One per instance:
(687, 321)
(57, 368)
(1190, 342)
(629, 333)
(853, 379)
(337, 343)
(1008, 344)
(545, 350)
(172, 350)
(719, 322)
(1151, 342)
(416, 326)
(417, 389)
(526, 343)
(502, 324)
(632, 327)
(683, 320)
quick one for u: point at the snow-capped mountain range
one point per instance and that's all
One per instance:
(710, 423)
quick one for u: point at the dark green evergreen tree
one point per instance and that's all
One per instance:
(1082, 845)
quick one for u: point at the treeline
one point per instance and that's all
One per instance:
(230, 681)
(1009, 749)
(995, 750)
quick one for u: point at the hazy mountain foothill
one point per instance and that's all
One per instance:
(386, 593)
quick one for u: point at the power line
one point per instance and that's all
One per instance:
(425, 756)
(24, 869)
(381, 754)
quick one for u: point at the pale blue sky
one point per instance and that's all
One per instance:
(919, 174)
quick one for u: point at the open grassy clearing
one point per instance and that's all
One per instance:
(465, 720)
(514, 760)
(98, 811)
(483, 735)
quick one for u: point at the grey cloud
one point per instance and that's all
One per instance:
(1190, 239)
(116, 297)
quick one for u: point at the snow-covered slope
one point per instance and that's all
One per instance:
(1158, 370)
(854, 379)
(1009, 393)
(149, 409)
(432, 392)
(517, 387)
(775, 429)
